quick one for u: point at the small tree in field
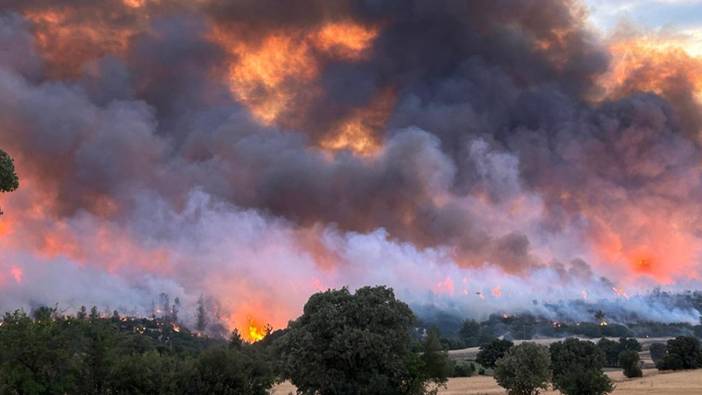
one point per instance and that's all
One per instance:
(491, 352)
(629, 361)
(524, 370)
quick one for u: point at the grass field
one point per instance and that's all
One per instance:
(653, 383)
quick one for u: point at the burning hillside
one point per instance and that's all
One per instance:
(481, 156)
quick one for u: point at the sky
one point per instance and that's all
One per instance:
(681, 18)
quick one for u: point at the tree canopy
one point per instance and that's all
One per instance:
(524, 370)
(491, 352)
(577, 368)
(358, 343)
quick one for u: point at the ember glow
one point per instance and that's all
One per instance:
(478, 156)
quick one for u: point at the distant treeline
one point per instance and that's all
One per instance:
(458, 334)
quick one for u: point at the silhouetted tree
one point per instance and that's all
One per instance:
(201, 320)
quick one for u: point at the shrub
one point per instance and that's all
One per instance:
(630, 362)
(524, 369)
(463, 369)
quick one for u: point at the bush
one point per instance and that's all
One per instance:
(683, 352)
(524, 369)
(463, 369)
(577, 368)
(630, 362)
(491, 352)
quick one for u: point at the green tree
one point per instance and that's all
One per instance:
(630, 362)
(491, 352)
(348, 343)
(524, 370)
(683, 352)
(611, 350)
(148, 373)
(435, 358)
(577, 368)
(629, 344)
(35, 357)
(470, 333)
(229, 371)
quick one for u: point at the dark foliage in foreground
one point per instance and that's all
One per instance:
(52, 354)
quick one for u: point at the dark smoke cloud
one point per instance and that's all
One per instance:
(493, 154)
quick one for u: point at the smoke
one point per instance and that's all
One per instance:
(478, 156)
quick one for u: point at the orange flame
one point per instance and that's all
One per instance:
(255, 332)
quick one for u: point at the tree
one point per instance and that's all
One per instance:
(470, 333)
(577, 368)
(8, 178)
(611, 350)
(629, 344)
(630, 362)
(658, 351)
(348, 343)
(435, 358)
(683, 352)
(524, 370)
(491, 352)
(229, 371)
(201, 322)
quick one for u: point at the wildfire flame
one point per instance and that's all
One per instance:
(256, 332)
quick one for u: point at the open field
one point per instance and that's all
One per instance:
(653, 383)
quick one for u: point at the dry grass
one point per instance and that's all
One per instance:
(653, 383)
